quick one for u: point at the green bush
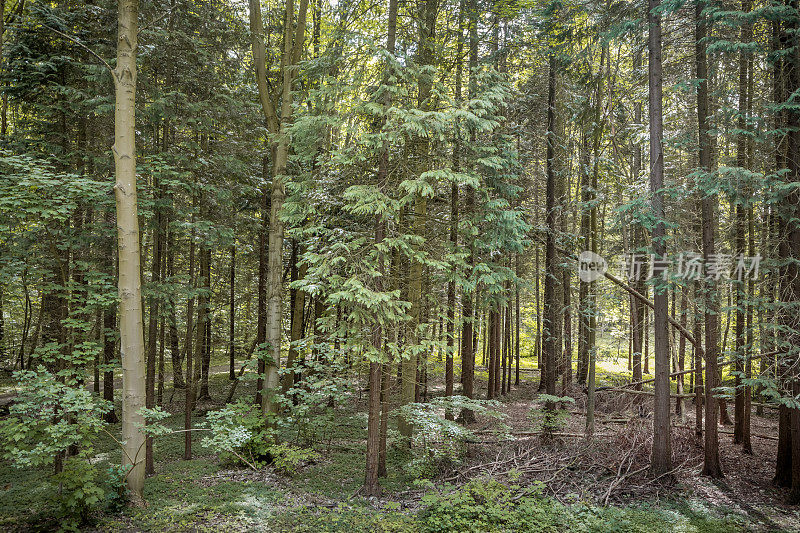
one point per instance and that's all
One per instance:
(486, 505)
(240, 433)
(78, 493)
(438, 443)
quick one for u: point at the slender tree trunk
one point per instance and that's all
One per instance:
(232, 315)
(698, 365)
(790, 284)
(297, 299)
(261, 312)
(189, 392)
(377, 418)
(661, 461)
(130, 288)
(711, 465)
(152, 326)
(175, 354)
(516, 336)
(468, 344)
(278, 124)
(551, 324)
(681, 352)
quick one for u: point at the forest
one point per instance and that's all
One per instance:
(402, 265)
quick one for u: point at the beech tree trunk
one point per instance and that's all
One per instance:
(130, 282)
(277, 124)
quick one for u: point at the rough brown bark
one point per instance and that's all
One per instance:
(711, 464)
(551, 324)
(661, 459)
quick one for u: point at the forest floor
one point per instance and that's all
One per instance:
(519, 482)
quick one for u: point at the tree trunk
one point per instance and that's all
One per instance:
(130, 288)
(516, 335)
(189, 392)
(681, 353)
(661, 460)
(698, 365)
(278, 125)
(551, 329)
(468, 344)
(152, 326)
(711, 464)
(261, 312)
(175, 354)
(232, 315)
(297, 306)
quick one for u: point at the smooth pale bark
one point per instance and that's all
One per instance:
(130, 283)
(293, 43)
(661, 458)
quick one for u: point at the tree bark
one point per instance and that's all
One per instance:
(189, 391)
(711, 464)
(232, 315)
(552, 338)
(468, 327)
(130, 289)
(661, 460)
(293, 42)
(152, 326)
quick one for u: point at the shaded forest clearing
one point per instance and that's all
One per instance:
(507, 480)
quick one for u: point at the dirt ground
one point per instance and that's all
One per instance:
(612, 467)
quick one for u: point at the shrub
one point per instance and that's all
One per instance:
(550, 417)
(487, 505)
(438, 443)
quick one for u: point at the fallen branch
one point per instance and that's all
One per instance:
(765, 437)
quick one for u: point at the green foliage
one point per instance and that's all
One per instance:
(439, 443)
(287, 458)
(51, 415)
(78, 492)
(486, 505)
(308, 408)
(117, 492)
(240, 431)
(550, 416)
